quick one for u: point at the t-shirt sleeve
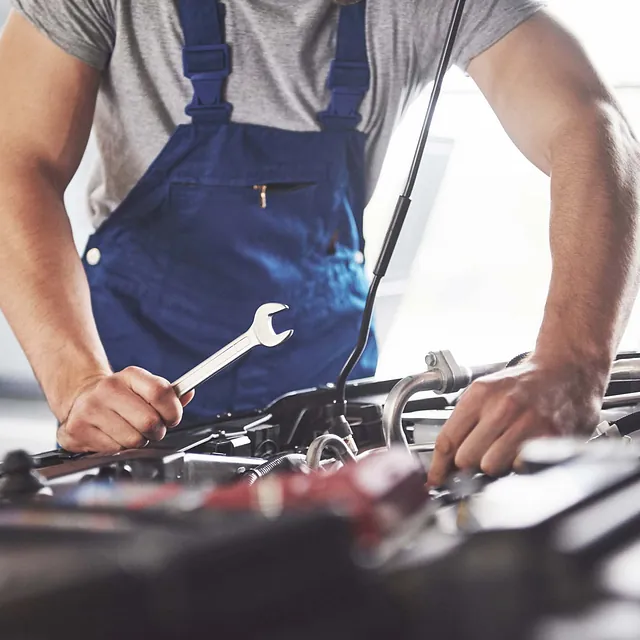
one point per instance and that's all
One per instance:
(84, 29)
(484, 23)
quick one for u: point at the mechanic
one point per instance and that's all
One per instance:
(255, 193)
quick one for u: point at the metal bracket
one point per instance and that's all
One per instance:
(454, 377)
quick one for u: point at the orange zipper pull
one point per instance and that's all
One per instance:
(262, 188)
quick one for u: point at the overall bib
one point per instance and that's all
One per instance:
(231, 216)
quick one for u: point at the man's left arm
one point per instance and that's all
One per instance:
(563, 117)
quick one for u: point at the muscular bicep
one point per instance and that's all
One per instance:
(47, 105)
(537, 79)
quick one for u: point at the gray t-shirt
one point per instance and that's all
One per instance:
(281, 55)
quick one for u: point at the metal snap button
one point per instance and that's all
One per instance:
(93, 256)
(358, 257)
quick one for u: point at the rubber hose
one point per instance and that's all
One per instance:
(288, 461)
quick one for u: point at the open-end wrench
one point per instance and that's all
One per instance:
(260, 333)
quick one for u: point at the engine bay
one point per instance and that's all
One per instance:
(266, 526)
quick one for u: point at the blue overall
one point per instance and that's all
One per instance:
(231, 216)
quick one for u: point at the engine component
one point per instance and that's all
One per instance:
(331, 442)
(287, 462)
(225, 535)
(20, 480)
(443, 376)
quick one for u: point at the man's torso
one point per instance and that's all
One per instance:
(281, 53)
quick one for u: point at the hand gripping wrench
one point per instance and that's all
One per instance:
(260, 333)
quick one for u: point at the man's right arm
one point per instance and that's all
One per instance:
(46, 111)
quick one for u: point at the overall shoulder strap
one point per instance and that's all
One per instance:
(206, 59)
(349, 77)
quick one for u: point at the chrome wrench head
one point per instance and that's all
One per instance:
(262, 327)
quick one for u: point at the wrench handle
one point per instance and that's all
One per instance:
(213, 365)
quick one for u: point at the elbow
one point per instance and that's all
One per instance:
(23, 170)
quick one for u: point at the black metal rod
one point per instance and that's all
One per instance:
(402, 207)
(363, 338)
(443, 66)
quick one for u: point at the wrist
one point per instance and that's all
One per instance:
(558, 345)
(591, 367)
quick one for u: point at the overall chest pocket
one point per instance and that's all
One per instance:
(257, 223)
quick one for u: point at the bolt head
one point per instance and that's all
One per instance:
(431, 360)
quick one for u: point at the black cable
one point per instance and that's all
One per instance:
(402, 208)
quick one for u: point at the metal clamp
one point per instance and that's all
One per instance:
(454, 377)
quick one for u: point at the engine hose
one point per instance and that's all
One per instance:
(286, 462)
(334, 444)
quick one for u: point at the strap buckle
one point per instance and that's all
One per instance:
(336, 122)
(207, 62)
(349, 77)
(220, 112)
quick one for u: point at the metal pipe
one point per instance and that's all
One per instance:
(397, 401)
(328, 441)
(426, 447)
(626, 370)
(624, 400)
(445, 376)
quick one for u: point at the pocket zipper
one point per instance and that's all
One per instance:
(277, 186)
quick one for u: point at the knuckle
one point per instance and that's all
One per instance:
(160, 390)
(108, 385)
(479, 388)
(72, 427)
(148, 423)
(132, 371)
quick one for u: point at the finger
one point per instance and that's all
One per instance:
(88, 439)
(456, 429)
(500, 457)
(441, 462)
(122, 431)
(187, 398)
(157, 392)
(494, 422)
(115, 395)
(136, 413)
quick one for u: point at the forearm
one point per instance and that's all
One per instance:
(595, 166)
(43, 290)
